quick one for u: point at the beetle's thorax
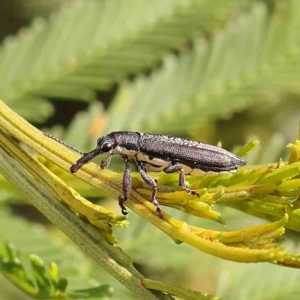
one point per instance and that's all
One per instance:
(127, 143)
(119, 150)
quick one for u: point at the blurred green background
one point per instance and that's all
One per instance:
(212, 71)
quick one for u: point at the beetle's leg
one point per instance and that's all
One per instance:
(152, 182)
(105, 162)
(126, 185)
(178, 168)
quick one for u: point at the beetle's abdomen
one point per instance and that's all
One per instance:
(192, 154)
(153, 164)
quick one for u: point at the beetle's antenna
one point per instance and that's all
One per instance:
(63, 143)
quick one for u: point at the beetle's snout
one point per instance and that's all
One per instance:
(74, 168)
(86, 158)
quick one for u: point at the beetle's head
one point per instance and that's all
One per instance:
(105, 144)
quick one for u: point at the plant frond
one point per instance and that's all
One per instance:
(274, 151)
(255, 57)
(108, 182)
(36, 280)
(82, 132)
(271, 283)
(45, 284)
(93, 44)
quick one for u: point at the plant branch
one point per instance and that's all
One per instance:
(110, 184)
(174, 290)
(82, 234)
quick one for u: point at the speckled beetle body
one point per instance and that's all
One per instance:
(156, 153)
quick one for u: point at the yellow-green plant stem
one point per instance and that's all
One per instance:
(175, 291)
(110, 183)
(95, 214)
(111, 258)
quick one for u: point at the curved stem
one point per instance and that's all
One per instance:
(111, 258)
(110, 183)
(176, 291)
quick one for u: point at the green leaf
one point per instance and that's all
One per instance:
(247, 148)
(53, 273)
(62, 284)
(261, 282)
(90, 45)
(100, 291)
(255, 57)
(47, 284)
(40, 275)
(44, 289)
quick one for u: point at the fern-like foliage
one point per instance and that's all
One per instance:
(37, 280)
(46, 284)
(261, 282)
(255, 57)
(80, 271)
(93, 44)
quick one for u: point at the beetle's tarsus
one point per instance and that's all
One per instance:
(121, 204)
(191, 192)
(159, 212)
(178, 168)
(125, 212)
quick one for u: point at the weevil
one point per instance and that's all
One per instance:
(157, 153)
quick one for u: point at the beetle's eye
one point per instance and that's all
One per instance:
(106, 147)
